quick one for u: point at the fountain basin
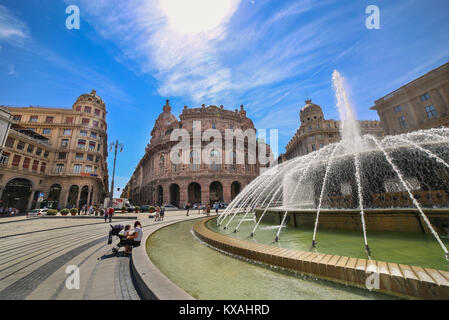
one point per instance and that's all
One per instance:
(395, 279)
(407, 220)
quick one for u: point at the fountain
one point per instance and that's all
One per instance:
(379, 207)
(407, 174)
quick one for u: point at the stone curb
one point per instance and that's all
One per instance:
(394, 279)
(151, 283)
(86, 217)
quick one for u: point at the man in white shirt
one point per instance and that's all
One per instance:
(133, 240)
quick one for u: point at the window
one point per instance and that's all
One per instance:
(97, 112)
(62, 155)
(95, 123)
(402, 122)
(331, 135)
(93, 135)
(49, 120)
(431, 112)
(69, 120)
(46, 131)
(46, 154)
(35, 165)
(64, 143)
(76, 168)
(231, 126)
(17, 118)
(67, 132)
(88, 169)
(38, 151)
(318, 126)
(16, 160)
(59, 168)
(26, 163)
(90, 157)
(313, 147)
(92, 145)
(43, 166)
(87, 109)
(20, 145)
(83, 133)
(79, 156)
(310, 128)
(81, 143)
(321, 145)
(30, 148)
(9, 142)
(398, 109)
(425, 97)
(78, 108)
(33, 118)
(4, 158)
(85, 121)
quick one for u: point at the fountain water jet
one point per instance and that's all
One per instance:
(358, 174)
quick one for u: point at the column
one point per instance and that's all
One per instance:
(30, 200)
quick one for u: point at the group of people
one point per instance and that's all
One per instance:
(206, 209)
(131, 238)
(11, 211)
(160, 213)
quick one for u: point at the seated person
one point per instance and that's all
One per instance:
(133, 240)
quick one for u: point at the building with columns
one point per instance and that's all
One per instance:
(420, 104)
(60, 153)
(158, 180)
(315, 131)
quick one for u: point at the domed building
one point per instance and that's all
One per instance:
(56, 156)
(159, 180)
(315, 131)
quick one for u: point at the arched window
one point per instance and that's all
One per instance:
(194, 161)
(215, 160)
(161, 164)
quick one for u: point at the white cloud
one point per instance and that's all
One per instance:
(11, 28)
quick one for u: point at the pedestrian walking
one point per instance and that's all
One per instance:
(187, 208)
(216, 208)
(162, 212)
(208, 210)
(158, 214)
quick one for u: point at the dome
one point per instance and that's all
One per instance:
(310, 112)
(92, 95)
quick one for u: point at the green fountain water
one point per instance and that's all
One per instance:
(414, 249)
(207, 274)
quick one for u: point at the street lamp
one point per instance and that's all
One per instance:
(114, 145)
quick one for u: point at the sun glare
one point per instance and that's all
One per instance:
(194, 16)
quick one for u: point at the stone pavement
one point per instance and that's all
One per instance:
(34, 256)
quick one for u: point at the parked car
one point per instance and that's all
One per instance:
(170, 207)
(221, 205)
(37, 213)
(145, 208)
(197, 205)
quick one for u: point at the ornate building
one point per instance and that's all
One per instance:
(58, 152)
(315, 131)
(158, 180)
(420, 104)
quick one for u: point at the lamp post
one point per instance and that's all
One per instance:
(114, 145)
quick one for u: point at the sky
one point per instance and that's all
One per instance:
(269, 55)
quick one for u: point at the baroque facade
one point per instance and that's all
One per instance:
(315, 131)
(60, 153)
(420, 104)
(158, 180)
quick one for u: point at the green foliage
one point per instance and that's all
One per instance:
(65, 211)
(74, 211)
(52, 212)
